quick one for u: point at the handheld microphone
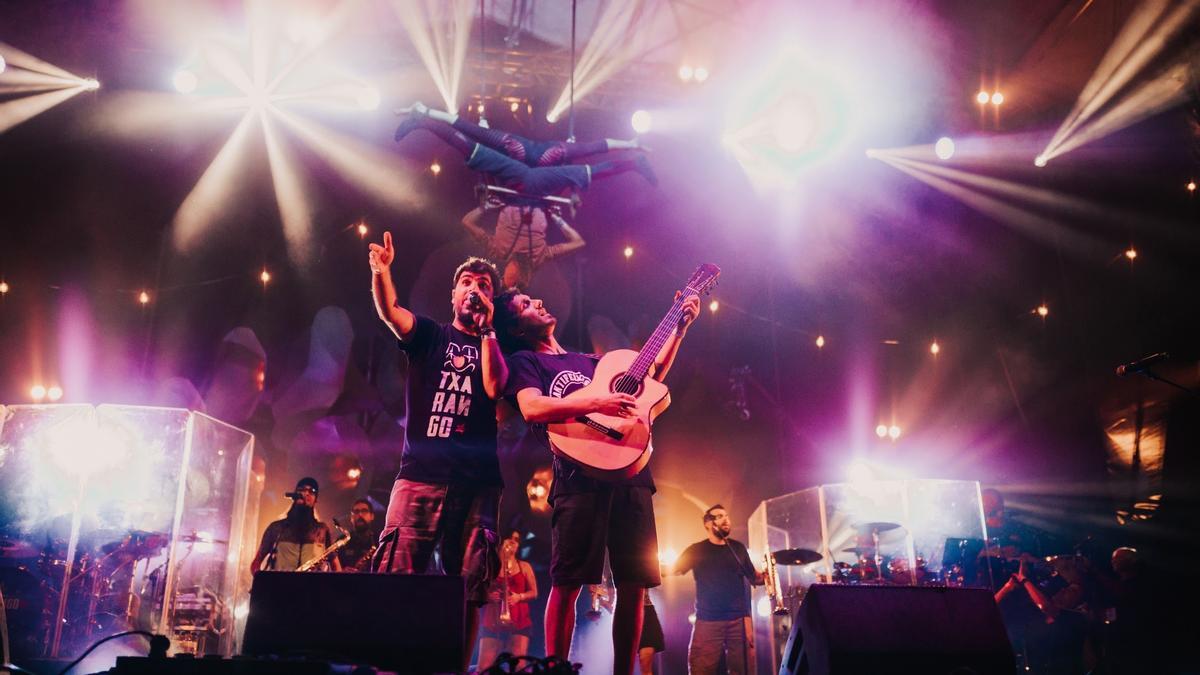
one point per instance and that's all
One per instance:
(1140, 365)
(474, 301)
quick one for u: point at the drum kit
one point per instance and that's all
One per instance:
(871, 565)
(55, 605)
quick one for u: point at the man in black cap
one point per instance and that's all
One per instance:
(298, 537)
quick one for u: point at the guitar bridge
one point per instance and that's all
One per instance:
(606, 430)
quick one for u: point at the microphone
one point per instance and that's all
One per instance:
(474, 301)
(1141, 365)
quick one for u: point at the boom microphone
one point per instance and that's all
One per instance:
(1140, 365)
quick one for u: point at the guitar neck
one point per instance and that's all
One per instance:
(645, 358)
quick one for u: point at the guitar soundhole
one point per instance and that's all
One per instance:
(619, 380)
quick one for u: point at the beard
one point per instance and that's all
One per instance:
(361, 525)
(300, 518)
(466, 317)
(722, 532)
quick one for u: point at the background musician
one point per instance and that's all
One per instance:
(517, 579)
(355, 556)
(724, 573)
(298, 537)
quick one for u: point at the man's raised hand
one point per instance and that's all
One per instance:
(380, 257)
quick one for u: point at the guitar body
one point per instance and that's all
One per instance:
(599, 450)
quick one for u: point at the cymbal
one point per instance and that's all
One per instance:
(859, 550)
(796, 556)
(876, 527)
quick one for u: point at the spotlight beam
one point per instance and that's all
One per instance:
(382, 175)
(290, 195)
(1149, 99)
(1138, 44)
(1038, 228)
(17, 111)
(420, 20)
(331, 24)
(23, 81)
(226, 65)
(1050, 199)
(20, 59)
(208, 196)
(619, 38)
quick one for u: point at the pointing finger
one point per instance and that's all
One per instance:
(387, 240)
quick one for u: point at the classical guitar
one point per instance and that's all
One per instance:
(610, 447)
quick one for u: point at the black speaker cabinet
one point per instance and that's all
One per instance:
(405, 623)
(839, 630)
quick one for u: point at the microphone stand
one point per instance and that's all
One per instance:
(1150, 374)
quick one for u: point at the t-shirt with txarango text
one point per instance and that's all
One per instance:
(451, 431)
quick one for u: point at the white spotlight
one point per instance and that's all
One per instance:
(185, 81)
(91, 83)
(368, 98)
(944, 148)
(37, 392)
(641, 121)
(997, 98)
(686, 73)
(1039, 161)
(893, 432)
(54, 393)
(3, 64)
(881, 430)
(701, 74)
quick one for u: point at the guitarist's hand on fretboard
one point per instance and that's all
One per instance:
(691, 310)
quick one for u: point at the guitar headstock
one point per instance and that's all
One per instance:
(702, 280)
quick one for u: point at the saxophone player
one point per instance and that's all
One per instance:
(298, 538)
(507, 624)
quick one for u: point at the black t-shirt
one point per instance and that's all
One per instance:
(723, 578)
(451, 432)
(557, 375)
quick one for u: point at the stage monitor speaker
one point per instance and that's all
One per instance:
(839, 630)
(406, 623)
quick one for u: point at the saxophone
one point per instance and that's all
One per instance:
(774, 589)
(328, 552)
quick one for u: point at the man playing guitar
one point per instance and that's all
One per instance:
(590, 515)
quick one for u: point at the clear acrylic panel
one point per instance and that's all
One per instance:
(910, 532)
(110, 515)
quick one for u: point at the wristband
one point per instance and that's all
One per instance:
(487, 332)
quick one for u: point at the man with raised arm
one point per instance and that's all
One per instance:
(447, 494)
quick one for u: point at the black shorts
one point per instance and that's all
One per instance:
(618, 519)
(652, 632)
